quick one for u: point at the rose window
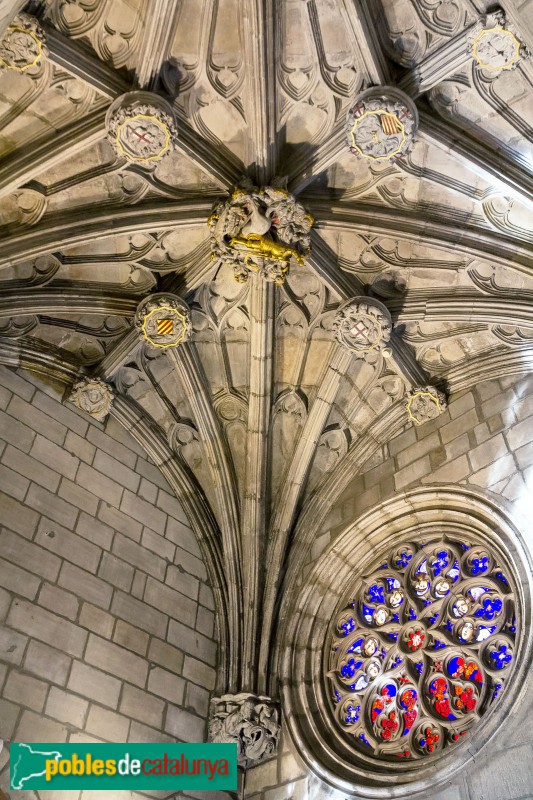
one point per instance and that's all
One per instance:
(423, 649)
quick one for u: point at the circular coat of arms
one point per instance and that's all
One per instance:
(496, 48)
(163, 320)
(381, 124)
(362, 325)
(141, 127)
(22, 45)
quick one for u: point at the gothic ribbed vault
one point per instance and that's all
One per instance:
(261, 415)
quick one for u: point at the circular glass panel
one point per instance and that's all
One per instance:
(421, 649)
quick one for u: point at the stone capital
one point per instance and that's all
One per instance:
(425, 403)
(93, 396)
(249, 720)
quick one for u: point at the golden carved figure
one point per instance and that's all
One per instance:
(266, 247)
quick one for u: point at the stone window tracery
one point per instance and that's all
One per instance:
(422, 649)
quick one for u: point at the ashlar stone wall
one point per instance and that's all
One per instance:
(483, 440)
(107, 618)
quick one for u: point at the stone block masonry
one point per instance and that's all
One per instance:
(107, 613)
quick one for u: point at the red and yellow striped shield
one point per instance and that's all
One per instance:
(165, 326)
(390, 124)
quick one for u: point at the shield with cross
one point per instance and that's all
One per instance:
(143, 138)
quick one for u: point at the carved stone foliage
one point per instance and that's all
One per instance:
(260, 230)
(93, 396)
(163, 320)
(141, 127)
(425, 403)
(381, 124)
(250, 721)
(362, 325)
(22, 45)
(495, 44)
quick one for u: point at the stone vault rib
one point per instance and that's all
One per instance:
(68, 299)
(256, 481)
(468, 307)
(29, 162)
(192, 377)
(284, 512)
(258, 21)
(361, 218)
(203, 523)
(66, 230)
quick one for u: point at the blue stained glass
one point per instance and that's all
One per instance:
(384, 565)
(364, 739)
(423, 567)
(393, 636)
(412, 613)
(480, 565)
(491, 607)
(338, 696)
(392, 583)
(484, 632)
(449, 626)
(438, 645)
(512, 627)
(367, 613)
(464, 546)
(419, 666)
(348, 670)
(501, 657)
(403, 559)
(454, 572)
(496, 691)
(395, 617)
(375, 593)
(353, 714)
(434, 618)
(361, 683)
(356, 646)
(441, 562)
(397, 661)
(502, 577)
(348, 627)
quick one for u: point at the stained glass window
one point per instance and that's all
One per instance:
(423, 648)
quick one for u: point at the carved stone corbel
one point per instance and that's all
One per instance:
(93, 396)
(250, 720)
(425, 403)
